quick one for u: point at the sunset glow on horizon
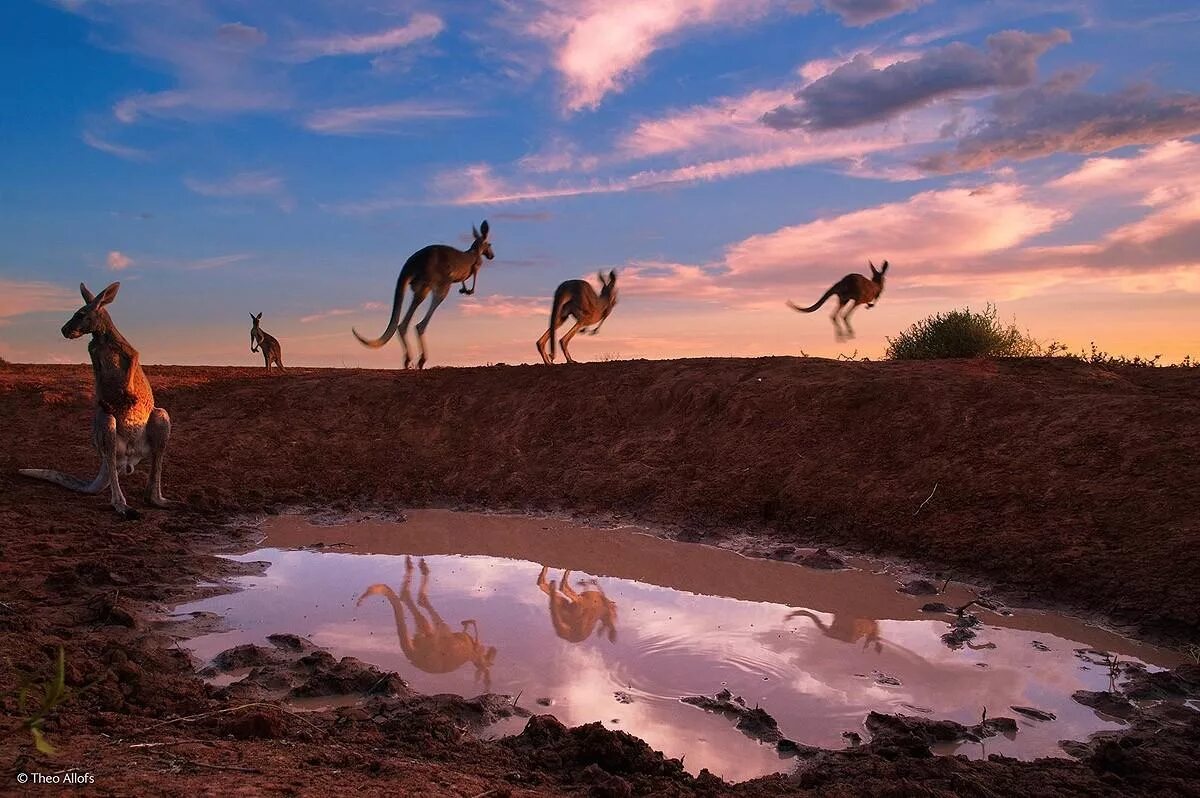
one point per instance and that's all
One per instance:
(221, 157)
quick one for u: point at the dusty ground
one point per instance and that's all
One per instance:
(1057, 482)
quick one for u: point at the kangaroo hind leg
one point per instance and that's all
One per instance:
(158, 432)
(109, 442)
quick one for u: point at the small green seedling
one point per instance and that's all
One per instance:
(54, 693)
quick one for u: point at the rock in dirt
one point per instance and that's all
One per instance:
(821, 558)
(1103, 701)
(937, 606)
(349, 676)
(1035, 713)
(927, 732)
(247, 655)
(756, 723)
(622, 697)
(919, 587)
(1183, 682)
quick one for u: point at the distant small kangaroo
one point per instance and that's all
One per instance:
(433, 269)
(853, 289)
(574, 615)
(127, 426)
(846, 628)
(433, 647)
(577, 298)
(269, 344)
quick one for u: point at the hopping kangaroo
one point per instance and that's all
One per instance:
(577, 298)
(574, 615)
(127, 426)
(853, 289)
(432, 270)
(434, 648)
(269, 344)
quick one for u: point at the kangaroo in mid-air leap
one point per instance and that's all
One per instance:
(577, 298)
(853, 289)
(127, 426)
(269, 344)
(433, 269)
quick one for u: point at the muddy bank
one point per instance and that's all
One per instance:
(1055, 480)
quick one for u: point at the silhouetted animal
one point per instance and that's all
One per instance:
(577, 298)
(853, 289)
(432, 269)
(575, 615)
(269, 344)
(127, 426)
(846, 628)
(433, 647)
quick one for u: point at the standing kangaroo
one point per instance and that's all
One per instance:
(127, 426)
(433, 647)
(432, 269)
(853, 289)
(574, 615)
(577, 298)
(269, 344)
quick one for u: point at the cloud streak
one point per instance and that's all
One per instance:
(860, 93)
(422, 26)
(386, 118)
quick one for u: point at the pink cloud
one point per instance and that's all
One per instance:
(508, 307)
(18, 297)
(597, 45)
(421, 26)
(118, 261)
(381, 118)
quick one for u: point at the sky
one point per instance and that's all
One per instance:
(227, 157)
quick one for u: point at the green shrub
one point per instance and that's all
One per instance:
(963, 333)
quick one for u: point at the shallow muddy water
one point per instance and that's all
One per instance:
(614, 625)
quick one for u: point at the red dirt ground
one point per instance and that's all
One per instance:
(1057, 482)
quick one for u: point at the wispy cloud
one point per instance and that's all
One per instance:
(421, 26)
(118, 261)
(863, 12)
(1058, 116)
(508, 307)
(119, 150)
(861, 93)
(335, 312)
(245, 184)
(597, 45)
(18, 297)
(386, 118)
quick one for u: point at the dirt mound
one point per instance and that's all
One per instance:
(1055, 480)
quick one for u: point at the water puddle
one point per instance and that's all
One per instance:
(616, 626)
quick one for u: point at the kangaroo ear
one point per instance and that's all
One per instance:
(475, 232)
(258, 317)
(107, 295)
(483, 229)
(603, 280)
(884, 269)
(88, 296)
(612, 276)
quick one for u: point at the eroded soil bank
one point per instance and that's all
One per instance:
(1056, 482)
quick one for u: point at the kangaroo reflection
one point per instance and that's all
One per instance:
(846, 628)
(434, 648)
(575, 615)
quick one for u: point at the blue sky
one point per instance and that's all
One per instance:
(722, 155)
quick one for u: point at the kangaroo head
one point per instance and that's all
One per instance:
(481, 244)
(92, 317)
(254, 320)
(877, 274)
(608, 290)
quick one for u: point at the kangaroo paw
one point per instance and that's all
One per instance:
(128, 513)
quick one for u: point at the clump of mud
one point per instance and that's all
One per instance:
(755, 723)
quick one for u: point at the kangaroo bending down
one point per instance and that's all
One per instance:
(574, 615)
(127, 426)
(577, 298)
(269, 344)
(846, 628)
(433, 269)
(852, 290)
(434, 648)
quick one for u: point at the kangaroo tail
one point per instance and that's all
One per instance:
(814, 305)
(66, 480)
(555, 310)
(397, 304)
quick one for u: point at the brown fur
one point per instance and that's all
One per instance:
(575, 615)
(577, 298)
(854, 290)
(433, 269)
(269, 344)
(433, 647)
(127, 426)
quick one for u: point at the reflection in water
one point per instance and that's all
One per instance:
(574, 615)
(434, 648)
(846, 628)
(817, 649)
